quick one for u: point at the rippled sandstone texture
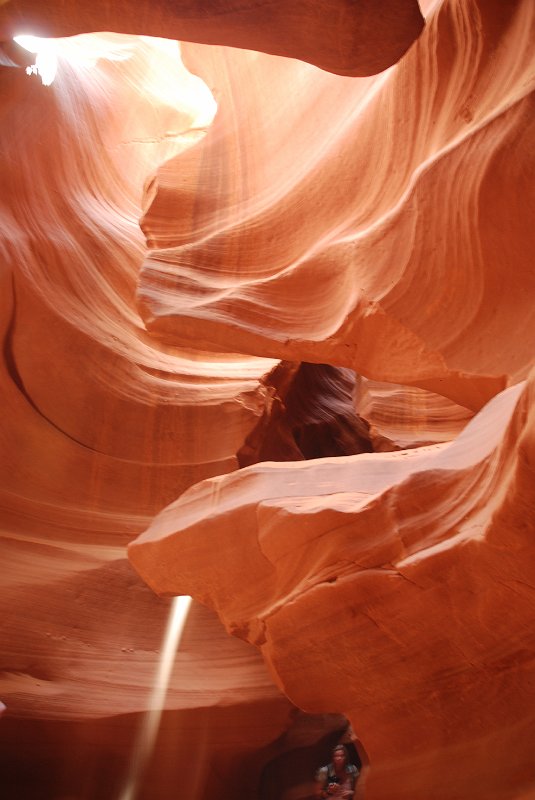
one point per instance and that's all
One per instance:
(100, 429)
(156, 268)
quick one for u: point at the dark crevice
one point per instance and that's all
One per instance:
(294, 759)
(14, 374)
(9, 359)
(309, 413)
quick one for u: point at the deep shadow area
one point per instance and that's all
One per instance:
(309, 413)
(290, 775)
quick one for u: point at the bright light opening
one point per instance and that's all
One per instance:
(149, 729)
(46, 62)
(163, 77)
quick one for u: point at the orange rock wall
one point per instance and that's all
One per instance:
(166, 242)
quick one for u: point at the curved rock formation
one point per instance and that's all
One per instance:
(376, 585)
(100, 428)
(380, 244)
(405, 416)
(169, 235)
(343, 36)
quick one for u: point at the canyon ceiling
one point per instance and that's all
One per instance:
(267, 306)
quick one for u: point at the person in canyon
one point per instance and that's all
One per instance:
(338, 778)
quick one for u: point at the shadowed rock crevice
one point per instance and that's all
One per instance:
(309, 413)
(297, 754)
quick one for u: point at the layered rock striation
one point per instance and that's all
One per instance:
(379, 244)
(267, 320)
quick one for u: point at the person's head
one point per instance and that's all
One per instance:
(339, 756)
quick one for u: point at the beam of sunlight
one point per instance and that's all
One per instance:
(46, 61)
(149, 729)
(81, 52)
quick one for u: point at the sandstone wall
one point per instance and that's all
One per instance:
(311, 256)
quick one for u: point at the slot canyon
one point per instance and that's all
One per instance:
(267, 304)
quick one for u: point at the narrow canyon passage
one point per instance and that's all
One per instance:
(267, 320)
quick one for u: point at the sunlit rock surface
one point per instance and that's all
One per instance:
(276, 264)
(100, 428)
(405, 416)
(386, 243)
